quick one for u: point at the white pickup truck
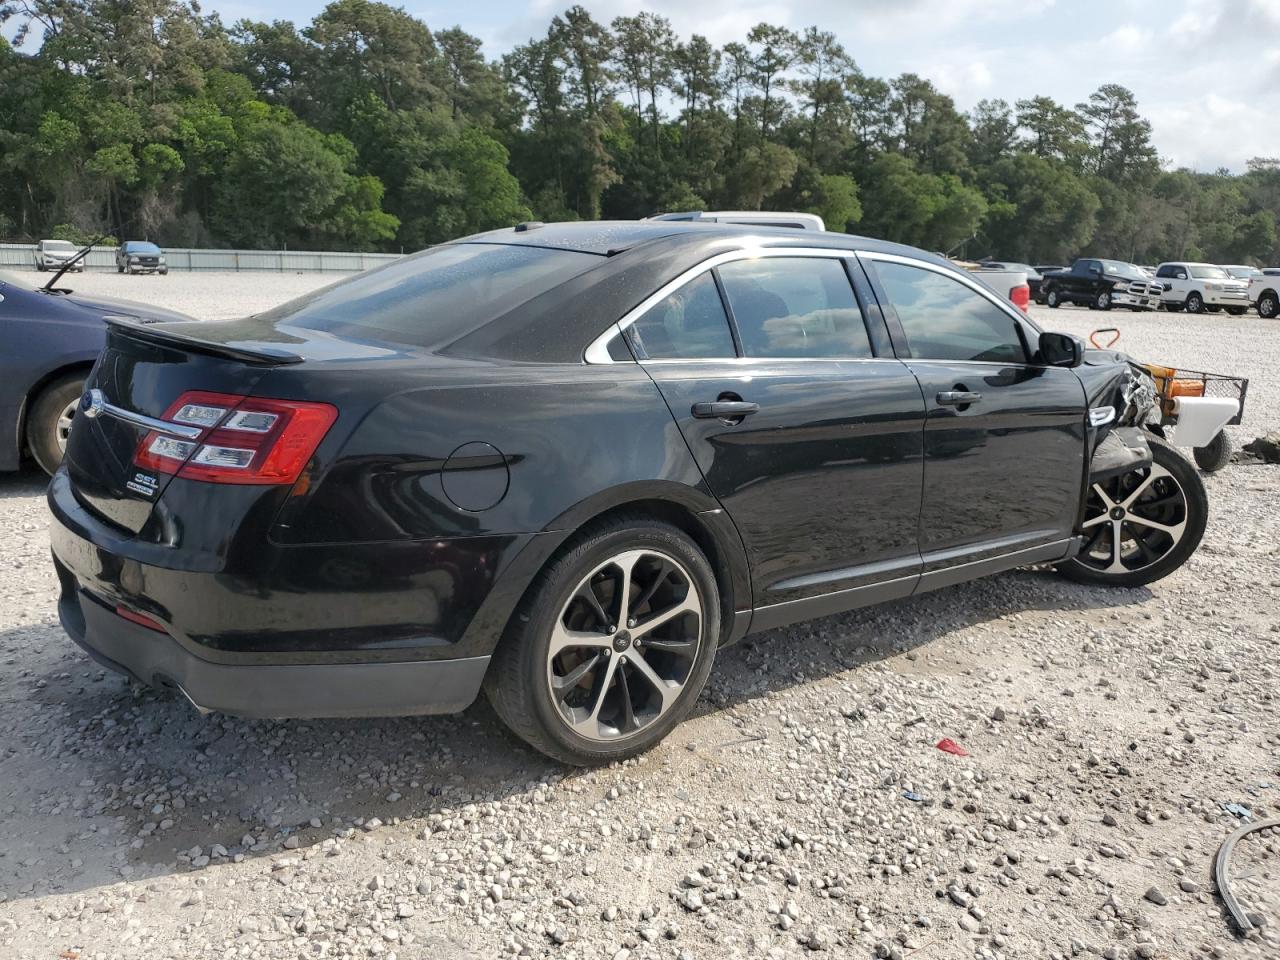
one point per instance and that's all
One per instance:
(1197, 287)
(1004, 280)
(1264, 293)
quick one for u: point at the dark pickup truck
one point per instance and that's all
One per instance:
(1101, 285)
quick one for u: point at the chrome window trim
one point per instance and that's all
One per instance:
(598, 350)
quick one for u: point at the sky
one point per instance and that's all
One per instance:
(1206, 72)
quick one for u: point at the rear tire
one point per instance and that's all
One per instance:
(1195, 303)
(584, 694)
(1164, 512)
(1053, 299)
(49, 420)
(1268, 305)
(1215, 454)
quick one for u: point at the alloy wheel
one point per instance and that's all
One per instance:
(624, 645)
(62, 428)
(1134, 520)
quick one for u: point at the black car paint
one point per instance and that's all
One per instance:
(47, 335)
(370, 558)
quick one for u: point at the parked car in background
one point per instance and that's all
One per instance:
(1034, 276)
(750, 218)
(1197, 287)
(1242, 271)
(51, 339)
(1264, 293)
(52, 254)
(1100, 285)
(612, 449)
(1008, 280)
(140, 256)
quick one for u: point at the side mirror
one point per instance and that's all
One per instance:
(1096, 271)
(1061, 350)
(1180, 275)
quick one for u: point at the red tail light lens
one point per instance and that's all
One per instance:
(1021, 297)
(243, 439)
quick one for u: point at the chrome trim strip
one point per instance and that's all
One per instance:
(599, 347)
(1101, 416)
(94, 404)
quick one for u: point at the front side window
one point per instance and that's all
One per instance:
(795, 307)
(946, 320)
(688, 324)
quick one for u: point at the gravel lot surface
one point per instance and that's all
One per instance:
(805, 808)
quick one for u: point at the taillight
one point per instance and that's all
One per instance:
(242, 439)
(1021, 297)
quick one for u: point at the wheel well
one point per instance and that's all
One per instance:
(677, 515)
(82, 367)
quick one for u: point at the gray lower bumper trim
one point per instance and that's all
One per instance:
(276, 691)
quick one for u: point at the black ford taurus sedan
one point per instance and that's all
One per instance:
(566, 463)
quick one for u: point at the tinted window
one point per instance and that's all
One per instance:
(946, 320)
(436, 295)
(795, 307)
(689, 324)
(1165, 271)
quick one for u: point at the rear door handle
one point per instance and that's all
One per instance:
(724, 409)
(957, 398)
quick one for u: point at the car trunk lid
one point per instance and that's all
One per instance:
(139, 376)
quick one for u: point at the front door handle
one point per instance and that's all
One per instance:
(724, 409)
(957, 398)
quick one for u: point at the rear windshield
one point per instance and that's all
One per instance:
(434, 296)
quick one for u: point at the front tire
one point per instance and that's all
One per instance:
(1053, 299)
(49, 422)
(1103, 300)
(611, 646)
(1268, 305)
(1162, 512)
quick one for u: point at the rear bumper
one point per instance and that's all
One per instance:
(298, 690)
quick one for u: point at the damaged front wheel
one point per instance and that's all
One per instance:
(1142, 525)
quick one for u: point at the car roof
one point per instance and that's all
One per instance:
(611, 237)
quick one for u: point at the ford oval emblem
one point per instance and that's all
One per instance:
(92, 403)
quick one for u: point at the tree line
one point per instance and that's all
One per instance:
(367, 130)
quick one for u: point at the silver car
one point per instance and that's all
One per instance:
(52, 254)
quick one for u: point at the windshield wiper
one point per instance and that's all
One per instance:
(48, 287)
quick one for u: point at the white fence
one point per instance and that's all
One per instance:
(278, 261)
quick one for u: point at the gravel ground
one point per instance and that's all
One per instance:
(804, 808)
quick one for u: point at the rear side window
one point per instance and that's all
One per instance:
(946, 320)
(688, 324)
(435, 296)
(795, 307)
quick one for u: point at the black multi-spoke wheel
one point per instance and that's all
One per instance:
(614, 646)
(1142, 525)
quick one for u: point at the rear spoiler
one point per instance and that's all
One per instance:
(262, 355)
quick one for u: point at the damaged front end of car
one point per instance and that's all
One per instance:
(1123, 406)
